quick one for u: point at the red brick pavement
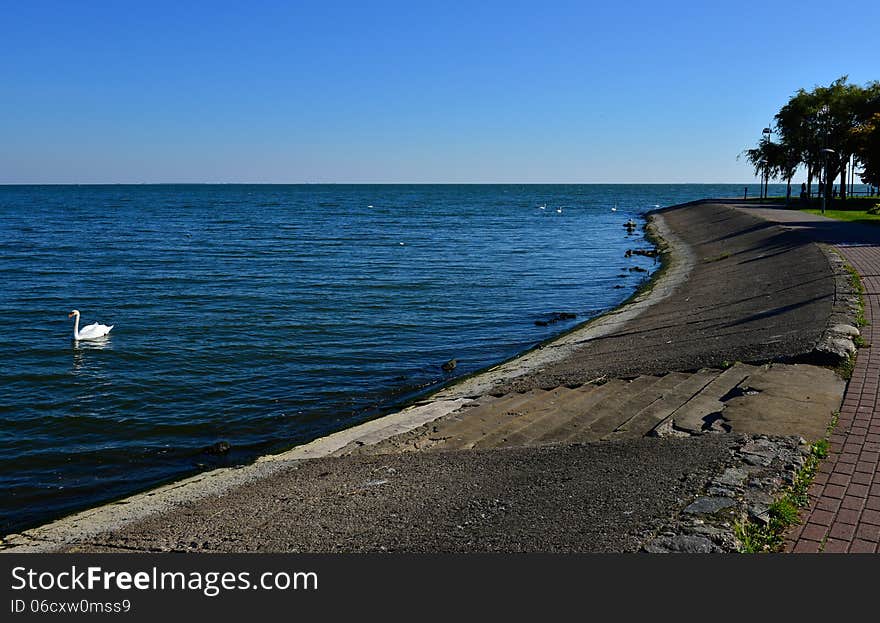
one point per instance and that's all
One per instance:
(844, 514)
(844, 510)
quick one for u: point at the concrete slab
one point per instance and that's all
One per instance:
(691, 416)
(786, 400)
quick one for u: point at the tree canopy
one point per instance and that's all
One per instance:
(841, 117)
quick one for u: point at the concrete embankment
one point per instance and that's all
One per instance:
(595, 442)
(753, 293)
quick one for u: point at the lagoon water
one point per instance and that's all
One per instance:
(266, 316)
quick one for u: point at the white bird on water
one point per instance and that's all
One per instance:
(90, 331)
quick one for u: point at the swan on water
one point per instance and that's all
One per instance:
(90, 331)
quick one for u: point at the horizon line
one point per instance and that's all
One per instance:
(756, 182)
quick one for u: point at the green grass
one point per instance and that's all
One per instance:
(859, 202)
(757, 538)
(850, 216)
(846, 367)
(856, 282)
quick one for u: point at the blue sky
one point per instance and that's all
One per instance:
(117, 92)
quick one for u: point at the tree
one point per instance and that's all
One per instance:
(797, 125)
(866, 135)
(837, 116)
(773, 161)
(867, 140)
(759, 157)
(840, 117)
(787, 160)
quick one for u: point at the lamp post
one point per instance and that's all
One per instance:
(766, 136)
(825, 153)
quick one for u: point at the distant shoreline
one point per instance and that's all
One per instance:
(91, 184)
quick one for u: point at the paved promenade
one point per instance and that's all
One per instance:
(844, 513)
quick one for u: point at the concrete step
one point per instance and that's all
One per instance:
(477, 422)
(694, 416)
(563, 407)
(368, 434)
(633, 400)
(686, 386)
(578, 428)
(673, 404)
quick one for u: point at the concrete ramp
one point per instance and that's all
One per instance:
(776, 399)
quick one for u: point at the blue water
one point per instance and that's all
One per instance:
(266, 316)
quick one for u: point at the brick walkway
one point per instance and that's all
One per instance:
(844, 511)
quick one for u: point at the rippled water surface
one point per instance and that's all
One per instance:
(265, 316)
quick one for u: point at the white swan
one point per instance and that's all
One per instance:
(89, 332)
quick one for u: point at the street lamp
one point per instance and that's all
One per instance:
(825, 153)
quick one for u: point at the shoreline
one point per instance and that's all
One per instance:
(676, 262)
(664, 329)
(676, 259)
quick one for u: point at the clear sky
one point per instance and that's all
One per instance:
(325, 91)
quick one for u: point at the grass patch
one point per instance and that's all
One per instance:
(851, 203)
(856, 282)
(845, 368)
(756, 538)
(861, 321)
(851, 216)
